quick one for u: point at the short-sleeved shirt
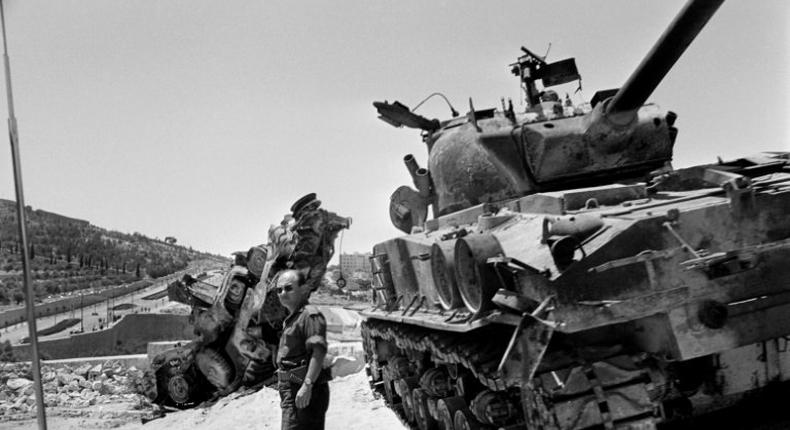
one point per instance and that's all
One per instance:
(303, 330)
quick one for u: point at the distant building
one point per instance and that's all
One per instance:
(356, 262)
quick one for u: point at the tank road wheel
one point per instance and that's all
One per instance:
(493, 408)
(422, 415)
(215, 368)
(389, 391)
(179, 389)
(464, 420)
(446, 409)
(404, 388)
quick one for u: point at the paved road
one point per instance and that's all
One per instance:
(94, 316)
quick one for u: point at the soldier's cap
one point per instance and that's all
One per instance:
(304, 202)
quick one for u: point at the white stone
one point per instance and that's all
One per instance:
(19, 401)
(83, 370)
(64, 378)
(85, 383)
(95, 371)
(17, 383)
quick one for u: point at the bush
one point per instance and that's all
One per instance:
(6, 352)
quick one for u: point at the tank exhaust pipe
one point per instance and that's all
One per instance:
(670, 46)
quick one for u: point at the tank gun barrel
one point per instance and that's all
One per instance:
(677, 37)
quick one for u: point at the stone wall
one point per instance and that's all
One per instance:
(130, 335)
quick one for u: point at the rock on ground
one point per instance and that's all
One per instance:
(351, 407)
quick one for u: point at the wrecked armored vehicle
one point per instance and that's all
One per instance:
(238, 324)
(570, 278)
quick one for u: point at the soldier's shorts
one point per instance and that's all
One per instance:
(311, 417)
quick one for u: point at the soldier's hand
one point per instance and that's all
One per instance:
(303, 396)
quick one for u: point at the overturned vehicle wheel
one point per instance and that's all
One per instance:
(178, 382)
(215, 367)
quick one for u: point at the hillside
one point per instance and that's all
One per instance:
(70, 254)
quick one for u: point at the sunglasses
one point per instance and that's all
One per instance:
(286, 288)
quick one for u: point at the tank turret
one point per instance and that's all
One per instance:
(492, 155)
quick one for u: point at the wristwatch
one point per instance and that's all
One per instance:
(308, 382)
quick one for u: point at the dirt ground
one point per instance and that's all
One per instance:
(351, 407)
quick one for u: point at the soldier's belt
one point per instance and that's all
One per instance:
(295, 375)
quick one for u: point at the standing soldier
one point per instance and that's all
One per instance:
(304, 391)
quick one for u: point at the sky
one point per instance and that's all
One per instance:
(205, 120)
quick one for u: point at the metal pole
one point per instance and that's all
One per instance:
(22, 221)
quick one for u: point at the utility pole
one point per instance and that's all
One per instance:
(22, 221)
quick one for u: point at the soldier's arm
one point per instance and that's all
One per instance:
(316, 363)
(316, 345)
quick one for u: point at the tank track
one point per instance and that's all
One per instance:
(616, 392)
(452, 348)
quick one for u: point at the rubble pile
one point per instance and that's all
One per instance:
(69, 390)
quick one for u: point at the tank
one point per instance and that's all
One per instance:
(238, 323)
(569, 277)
